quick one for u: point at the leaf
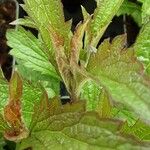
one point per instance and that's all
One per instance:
(142, 46)
(91, 93)
(3, 91)
(46, 17)
(29, 49)
(132, 9)
(24, 22)
(118, 71)
(139, 130)
(142, 1)
(4, 97)
(101, 19)
(3, 124)
(124, 114)
(12, 111)
(51, 85)
(69, 127)
(47, 109)
(145, 12)
(31, 95)
(104, 107)
(15, 87)
(98, 100)
(76, 41)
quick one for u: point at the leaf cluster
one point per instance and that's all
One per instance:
(108, 86)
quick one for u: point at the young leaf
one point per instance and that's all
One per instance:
(69, 127)
(142, 46)
(76, 41)
(102, 18)
(104, 107)
(29, 49)
(12, 111)
(46, 17)
(118, 71)
(15, 87)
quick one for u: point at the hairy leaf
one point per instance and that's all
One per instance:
(15, 87)
(118, 71)
(31, 95)
(69, 127)
(102, 18)
(51, 85)
(139, 130)
(124, 114)
(142, 46)
(24, 22)
(12, 111)
(104, 107)
(91, 93)
(29, 49)
(77, 40)
(48, 15)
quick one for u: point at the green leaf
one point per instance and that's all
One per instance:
(145, 12)
(31, 95)
(3, 125)
(3, 99)
(51, 85)
(118, 71)
(15, 87)
(142, 46)
(3, 91)
(69, 127)
(91, 93)
(132, 9)
(103, 15)
(24, 22)
(139, 130)
(49, 16)
(124, 114)
(29, 49)
(104, 107)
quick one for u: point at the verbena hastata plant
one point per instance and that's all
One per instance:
(109, 87)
